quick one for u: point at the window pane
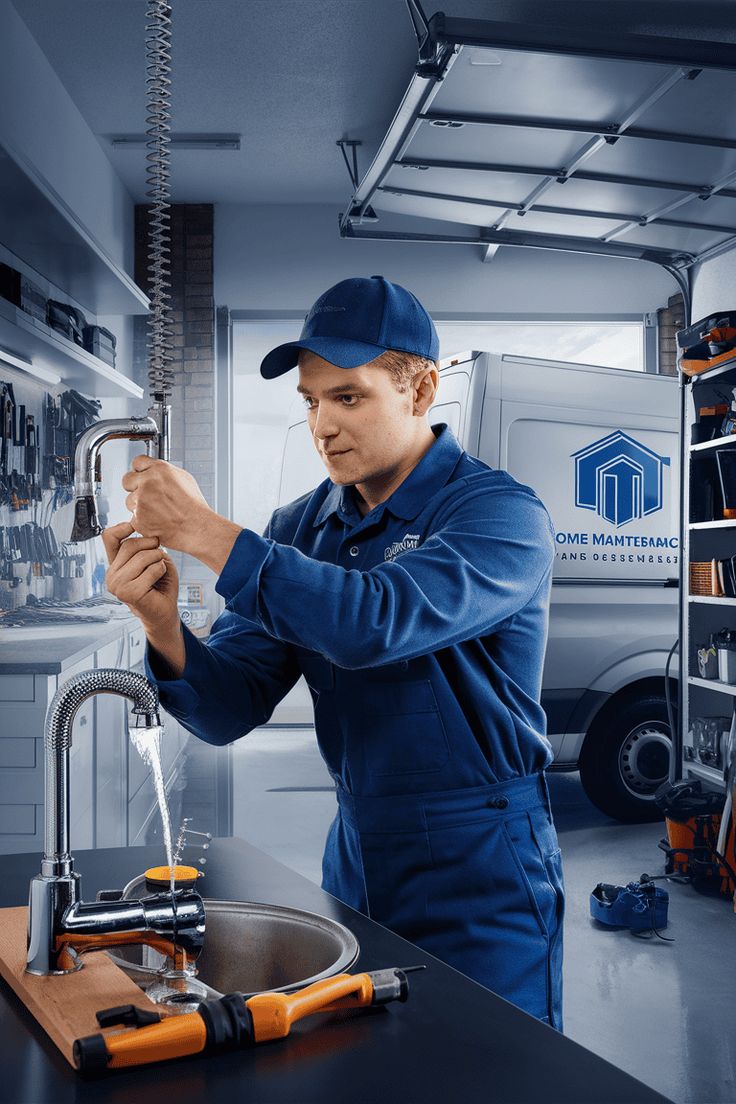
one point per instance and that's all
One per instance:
(262, 408)
(260, 417)
(610, 344)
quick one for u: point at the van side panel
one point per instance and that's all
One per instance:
(611, 620)
(603, 456)
(602, 637)
(600, 447)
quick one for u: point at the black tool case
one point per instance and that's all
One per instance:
(691, 339)
(100, 343)
(67, 320)
(21, 291)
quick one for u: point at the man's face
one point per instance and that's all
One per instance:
(361, 425)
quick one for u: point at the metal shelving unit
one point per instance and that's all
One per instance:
(701, 541)
(708, 446)
(35, 348)
(39, 227)
(705, 772)
(713, 684)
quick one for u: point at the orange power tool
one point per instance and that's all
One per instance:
(231, 1022)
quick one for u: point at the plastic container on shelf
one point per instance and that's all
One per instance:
(726, 459)
(727, 662)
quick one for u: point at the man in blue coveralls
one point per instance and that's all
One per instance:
(411, 590)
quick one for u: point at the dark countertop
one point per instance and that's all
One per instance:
(452, 1040)
(51, 649)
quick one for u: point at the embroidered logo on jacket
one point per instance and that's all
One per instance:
(411, 540)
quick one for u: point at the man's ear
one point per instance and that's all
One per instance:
(424, 386)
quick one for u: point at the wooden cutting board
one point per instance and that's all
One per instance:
(65, 1006)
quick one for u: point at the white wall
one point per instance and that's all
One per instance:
(714, 286)
(46, 129)
(281, 258)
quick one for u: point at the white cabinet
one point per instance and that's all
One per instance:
(23, 702)
(111, 796)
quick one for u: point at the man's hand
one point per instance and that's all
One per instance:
(142, 575)
(166, 503)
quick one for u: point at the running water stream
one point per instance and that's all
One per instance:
(176, 988)
(147, 742)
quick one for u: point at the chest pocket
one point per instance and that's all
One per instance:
(317, 670)
(400, 728)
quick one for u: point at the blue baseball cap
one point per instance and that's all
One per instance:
(354, 322)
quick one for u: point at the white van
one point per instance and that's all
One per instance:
(600, 447)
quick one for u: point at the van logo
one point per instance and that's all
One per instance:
(619, 478)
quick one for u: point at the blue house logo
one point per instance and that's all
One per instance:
(619, 478)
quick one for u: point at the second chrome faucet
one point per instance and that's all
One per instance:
(62, 927)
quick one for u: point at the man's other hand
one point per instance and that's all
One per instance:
(142, 575)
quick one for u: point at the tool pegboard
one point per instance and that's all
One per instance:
(38, 432)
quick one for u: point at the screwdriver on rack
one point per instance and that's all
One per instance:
(231, 1022)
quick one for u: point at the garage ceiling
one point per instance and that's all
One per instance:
(576, 140)
(287, 77)
(290, 77)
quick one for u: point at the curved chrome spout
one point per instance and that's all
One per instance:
(173, 925)
(153, 429)
(62, 928)
(86, 467)
(60, 925)
(58, 740)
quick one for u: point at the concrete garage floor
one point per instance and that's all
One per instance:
(661, 1011)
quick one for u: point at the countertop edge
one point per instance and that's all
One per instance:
(90, 638)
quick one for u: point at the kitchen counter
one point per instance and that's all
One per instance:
(51, 649)
(453, 1039)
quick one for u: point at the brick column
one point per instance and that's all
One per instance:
(670, 319)
(193, 327)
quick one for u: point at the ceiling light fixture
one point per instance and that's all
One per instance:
(484, 57)
(181, 141)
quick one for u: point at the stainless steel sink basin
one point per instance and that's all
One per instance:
(249, 948)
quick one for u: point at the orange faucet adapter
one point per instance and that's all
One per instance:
(184, 876)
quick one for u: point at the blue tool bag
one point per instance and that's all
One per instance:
(638, 906)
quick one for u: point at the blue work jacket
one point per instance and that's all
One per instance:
(420, 629)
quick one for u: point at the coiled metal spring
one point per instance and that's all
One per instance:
(158, 117)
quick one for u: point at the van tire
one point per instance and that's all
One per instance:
(626, 757)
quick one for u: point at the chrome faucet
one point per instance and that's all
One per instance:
(153, 429)
(61, 927)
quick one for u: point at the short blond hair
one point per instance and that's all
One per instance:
(403, 367)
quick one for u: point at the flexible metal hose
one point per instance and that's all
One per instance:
(58, 738)
(158, 117)
(154, 429)
(105, 680)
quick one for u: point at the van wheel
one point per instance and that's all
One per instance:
(626, 757)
